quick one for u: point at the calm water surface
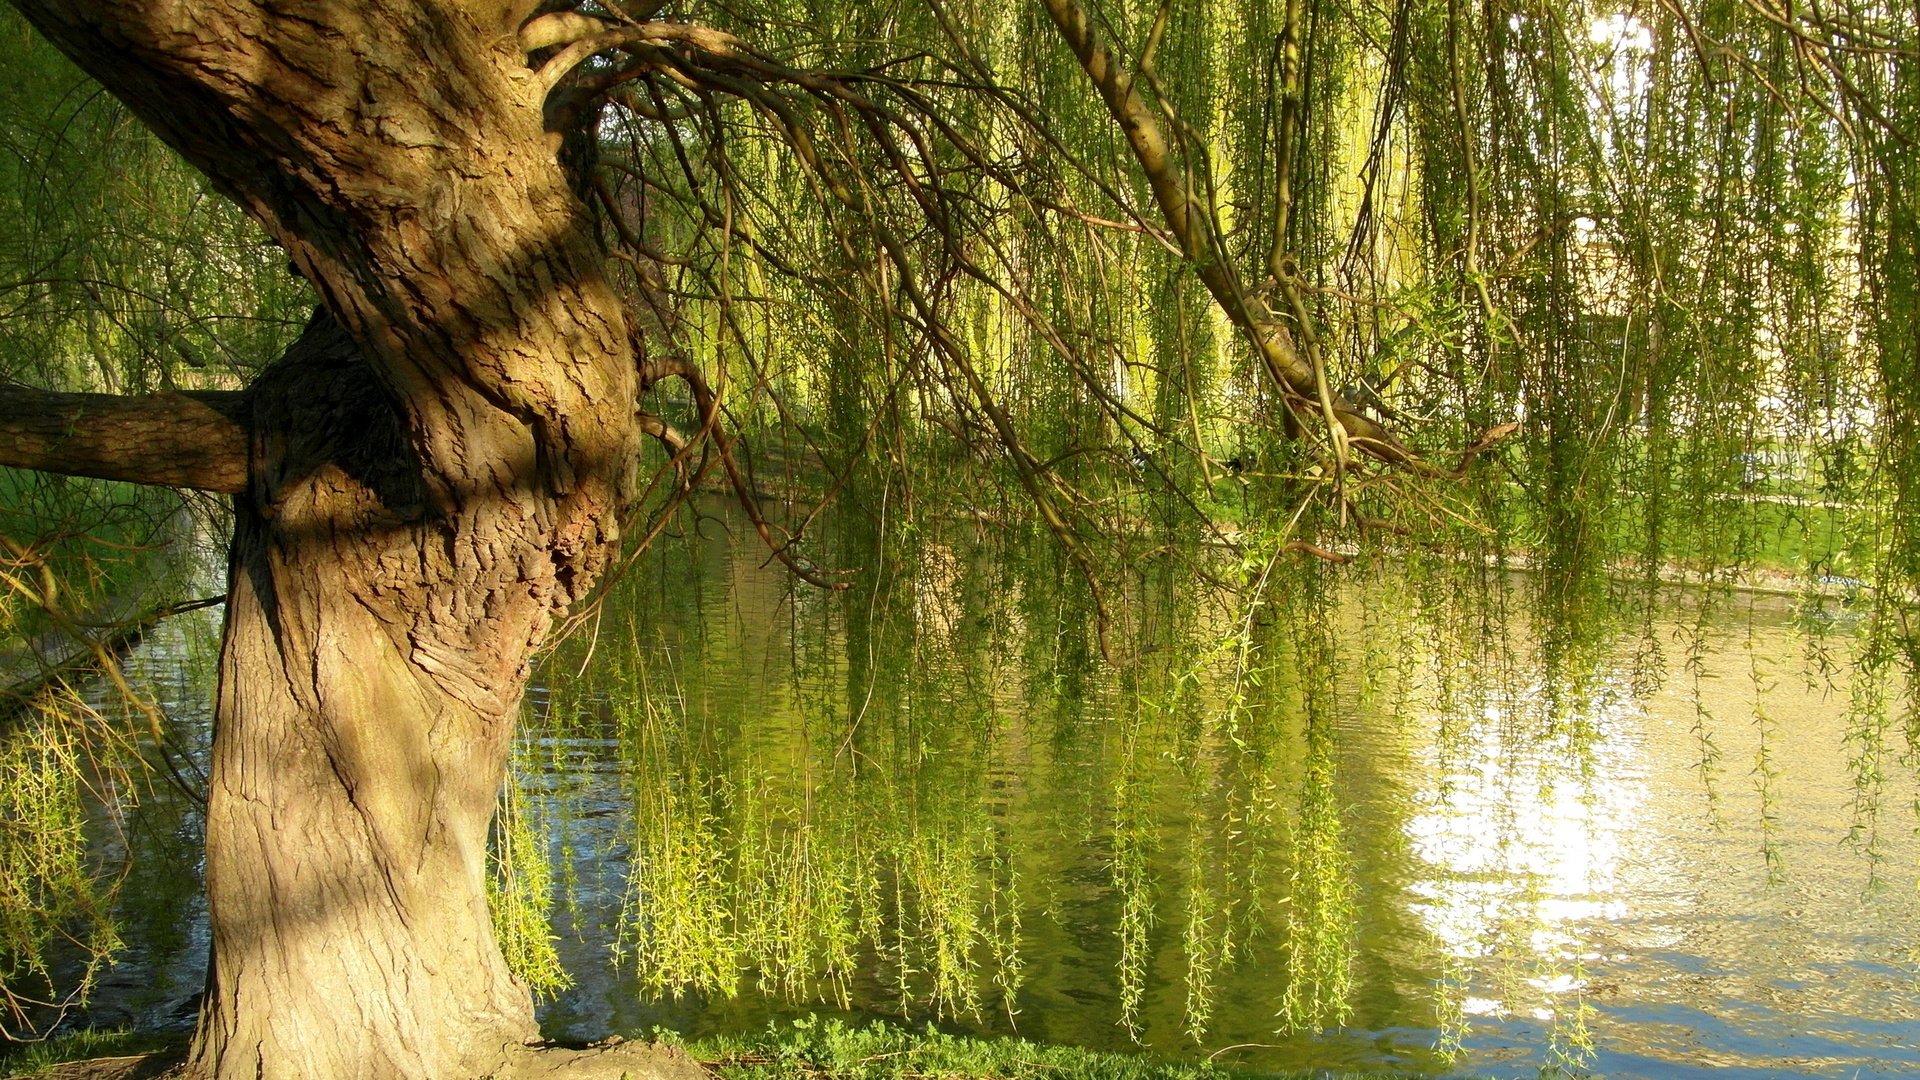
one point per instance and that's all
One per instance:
(1415, 831)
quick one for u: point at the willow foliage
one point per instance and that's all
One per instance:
(1622, 294)
(1605, 286)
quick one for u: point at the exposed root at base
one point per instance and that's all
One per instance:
(614, 1059)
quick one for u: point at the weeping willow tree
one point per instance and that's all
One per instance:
(1610, 289)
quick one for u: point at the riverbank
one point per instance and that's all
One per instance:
(816, 1049)
(811, 1049)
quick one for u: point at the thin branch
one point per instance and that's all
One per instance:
(709, 408)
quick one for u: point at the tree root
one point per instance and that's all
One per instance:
(614, 1059)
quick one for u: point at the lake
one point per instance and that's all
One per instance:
(1379, 816)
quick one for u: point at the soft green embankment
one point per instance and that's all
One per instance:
(799, 1050)
(817, 1049)
(32, 1059)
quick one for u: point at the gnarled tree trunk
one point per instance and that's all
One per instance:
(356, 761)
(432, 473)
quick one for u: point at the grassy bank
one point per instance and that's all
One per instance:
(817, 1049)
(799, 1050)
(35, 1059)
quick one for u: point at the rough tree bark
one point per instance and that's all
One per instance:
(431, 474)
(357, 755)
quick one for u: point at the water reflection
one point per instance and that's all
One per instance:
(1357, 820)
(1522, 838)
(1340, 819)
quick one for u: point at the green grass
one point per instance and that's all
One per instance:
(816, 1049)
(808, 1049)
(28, 1059)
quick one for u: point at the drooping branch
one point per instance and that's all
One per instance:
(1303, 380)
(196, 439)
(710, 427)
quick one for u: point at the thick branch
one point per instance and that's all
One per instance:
(559, 28)
(188, 440)
(715, 43)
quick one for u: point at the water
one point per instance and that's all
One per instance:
(1400, 826)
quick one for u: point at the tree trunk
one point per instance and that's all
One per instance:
(435, 471)
(352, 785)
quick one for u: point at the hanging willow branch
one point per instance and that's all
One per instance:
(1190, 220)
(891, 203)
